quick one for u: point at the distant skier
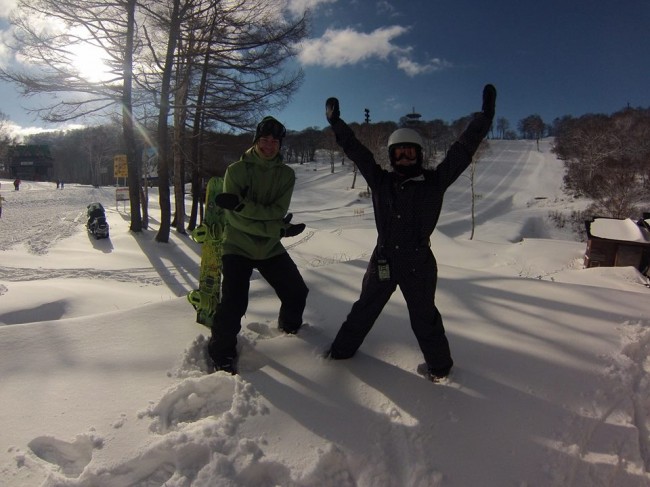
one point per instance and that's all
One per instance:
(407, 203)
(17, 184)
(2, 198)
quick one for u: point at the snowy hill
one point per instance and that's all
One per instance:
(102, 365)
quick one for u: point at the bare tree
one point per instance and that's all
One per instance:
(532, 127)
(502, 127)
(107, 28)
(617, 192)
(198, 124)
(6, 139)
(232, 56)
(190, 47)
(239, 54)
(134, 175)
(437, 140)
(585, 144)
(607, 160)
(169, 15)
(100, 144)
(332, 149)
(475, 196)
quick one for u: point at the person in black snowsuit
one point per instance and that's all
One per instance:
(407, 203)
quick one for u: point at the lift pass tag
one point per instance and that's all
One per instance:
(383, 270)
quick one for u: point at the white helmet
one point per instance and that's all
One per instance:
(404, 136)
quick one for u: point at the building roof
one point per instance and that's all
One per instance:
(621, 230)
(30, 151)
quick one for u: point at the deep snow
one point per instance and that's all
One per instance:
(102, 365)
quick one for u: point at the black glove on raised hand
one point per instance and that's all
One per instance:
(480, 124)
(341, 130)
(332, 111)
(228, 201)
(293, 230)
(489, 100)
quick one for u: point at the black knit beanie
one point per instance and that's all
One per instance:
(270, 126)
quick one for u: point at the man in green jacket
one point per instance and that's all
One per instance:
(257, 192)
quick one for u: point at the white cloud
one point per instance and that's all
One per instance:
(394, 104)
(298, 7)
(20, 132)
(412, 68)
(337, 48)
(385, 8)
(340, 47)
(6, 6)
(5, 55)
(40, 23)
(6, 33)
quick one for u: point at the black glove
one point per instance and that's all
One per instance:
(332, 111)
(228, 201)
(287, 218)
(489, 100)
(293, 230)
(480, 125)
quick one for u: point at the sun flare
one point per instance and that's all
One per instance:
(91, 63)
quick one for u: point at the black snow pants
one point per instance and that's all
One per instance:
(282, 275)
(417, 280)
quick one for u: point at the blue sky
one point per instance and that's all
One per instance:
(551, 58)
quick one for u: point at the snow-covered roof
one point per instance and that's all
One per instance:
(625, 230)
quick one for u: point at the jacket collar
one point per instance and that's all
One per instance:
(252, 155)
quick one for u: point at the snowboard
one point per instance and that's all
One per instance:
(209, 234)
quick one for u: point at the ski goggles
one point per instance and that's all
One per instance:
(404, 151)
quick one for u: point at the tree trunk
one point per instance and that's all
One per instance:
(163, 135)
(197, 130)
(180, 116)
(133, 162)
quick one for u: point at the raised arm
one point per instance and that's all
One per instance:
(353, 148)
(461, 152)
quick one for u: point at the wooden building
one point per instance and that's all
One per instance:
(30, 162)
(618, 243)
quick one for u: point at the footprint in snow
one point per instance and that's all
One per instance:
(192, 400)
(71, 458)
(265, 330)
(270, 329)
(195, 361)
(195, 399)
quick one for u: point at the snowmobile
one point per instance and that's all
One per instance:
(97, 224)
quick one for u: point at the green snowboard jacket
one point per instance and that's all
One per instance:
(265, 188)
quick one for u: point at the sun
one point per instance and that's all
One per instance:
(91, 63)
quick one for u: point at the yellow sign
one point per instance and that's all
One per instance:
(120, 167)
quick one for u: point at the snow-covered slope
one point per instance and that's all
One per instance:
(102, 365)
